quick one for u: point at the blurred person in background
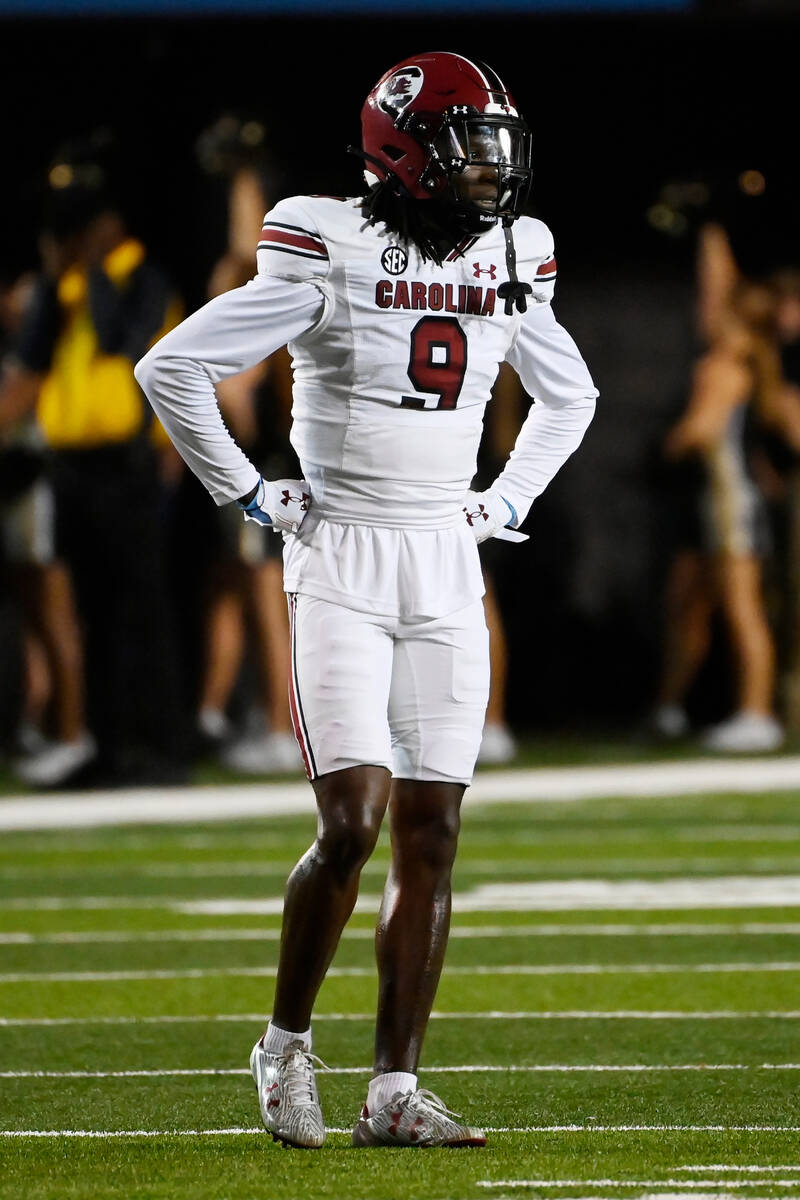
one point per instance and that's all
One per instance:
(246, 584)
(97, 304)
(51, 739)
(718, 505)
(786, 460)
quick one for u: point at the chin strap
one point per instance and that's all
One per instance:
(369, 158)
(513, 291)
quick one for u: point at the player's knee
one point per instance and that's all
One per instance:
(430, 843)
(346, 839)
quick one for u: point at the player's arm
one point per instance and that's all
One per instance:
(552, 370)
(232, 332)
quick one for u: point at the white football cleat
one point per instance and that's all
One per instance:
(287, 1095)
(414, 1119)
(745, 732)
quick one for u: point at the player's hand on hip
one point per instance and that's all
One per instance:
(281, 504)
(487, 512)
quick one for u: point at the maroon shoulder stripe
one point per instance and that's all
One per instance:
(277, 239)
(547, 269)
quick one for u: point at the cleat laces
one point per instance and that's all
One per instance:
(298, 1076)
(427, 1105)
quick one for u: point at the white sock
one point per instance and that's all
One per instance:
(383, 1088)
(275, 1040)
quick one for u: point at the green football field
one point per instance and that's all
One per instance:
(619, 1009)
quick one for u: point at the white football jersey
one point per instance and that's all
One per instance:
(391, 384)
(394, 361)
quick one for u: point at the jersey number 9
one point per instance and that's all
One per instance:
(437, 363)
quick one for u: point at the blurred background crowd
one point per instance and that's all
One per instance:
(144, 631)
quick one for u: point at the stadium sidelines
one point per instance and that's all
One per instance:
(237, 801)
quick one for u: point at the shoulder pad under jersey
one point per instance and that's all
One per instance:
(536, 262)
(292, 242)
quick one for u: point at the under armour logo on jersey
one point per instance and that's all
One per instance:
(490, 271)
(472, 517)
(394, 260)
(304, 499)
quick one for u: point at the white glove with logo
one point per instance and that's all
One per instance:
(281, 503)
(489, 515)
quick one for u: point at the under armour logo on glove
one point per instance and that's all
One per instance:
(472, 517)
(487, 513)
(303, 500)
(281, 505)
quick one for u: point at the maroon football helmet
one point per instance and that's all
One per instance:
(434, 115)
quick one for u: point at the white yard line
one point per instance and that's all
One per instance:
(369, 972)
(549, 832)
(781, 863)
(98, 903)
(121, 936)
(469, 932)
(238, 1131)
(465, 1069)
(488, 1015)
(236, 801)
(563, 895)
(553, 895)
(734, 1167)
(636, 1183)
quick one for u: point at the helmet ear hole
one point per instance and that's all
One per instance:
(393, 152)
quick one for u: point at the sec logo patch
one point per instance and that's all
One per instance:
(394, 260)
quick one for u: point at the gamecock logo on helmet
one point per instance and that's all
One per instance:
(400, 89)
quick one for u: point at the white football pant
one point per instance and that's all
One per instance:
(376, 690)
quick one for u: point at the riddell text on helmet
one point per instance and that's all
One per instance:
(436, 297)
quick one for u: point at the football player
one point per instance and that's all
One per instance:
(398, 306)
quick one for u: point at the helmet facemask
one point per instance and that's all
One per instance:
(480, 166)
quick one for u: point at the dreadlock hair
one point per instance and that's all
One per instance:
(428, 224)
(422, 223)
